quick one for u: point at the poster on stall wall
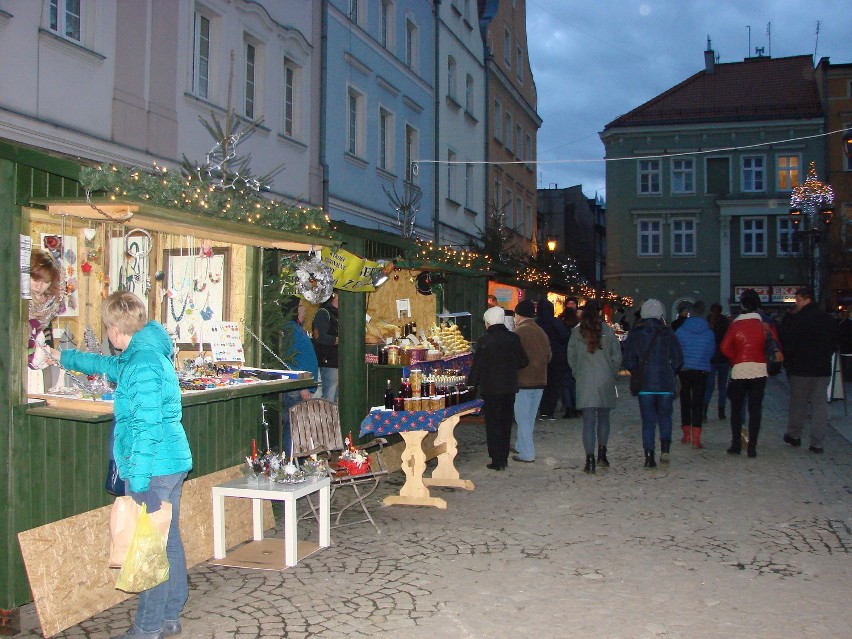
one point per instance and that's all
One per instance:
(224, 340)
(350, 272)
(63, 248)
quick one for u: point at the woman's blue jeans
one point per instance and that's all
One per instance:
(595, 420)
(166, 600)
(656, 408)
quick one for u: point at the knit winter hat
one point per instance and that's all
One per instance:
(494, 315)
(525, 308)
(652, 309)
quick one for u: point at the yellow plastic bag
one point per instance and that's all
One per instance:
(146, 564)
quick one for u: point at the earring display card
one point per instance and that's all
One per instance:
(224, 340)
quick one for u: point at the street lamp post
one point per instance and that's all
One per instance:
(811, 210)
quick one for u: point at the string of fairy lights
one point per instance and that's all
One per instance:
(242, 203)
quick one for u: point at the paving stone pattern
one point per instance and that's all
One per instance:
(709, 545)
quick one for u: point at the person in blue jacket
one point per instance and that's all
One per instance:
(653, 342)
(299, 355)
(151, 449)
(698, 345)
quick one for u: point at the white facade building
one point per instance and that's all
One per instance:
(461, 126)
(127, 82)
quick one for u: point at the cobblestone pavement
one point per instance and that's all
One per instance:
(707, 546)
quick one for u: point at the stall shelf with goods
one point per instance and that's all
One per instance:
(56, 443)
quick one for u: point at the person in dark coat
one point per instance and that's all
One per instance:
(558, 334)
(682, 314)
(844, 329)
(808, 340)
(494, 372)
(720, 367)
(698, 345)
(569, 383)
(650, 338)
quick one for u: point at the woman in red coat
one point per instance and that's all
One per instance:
(744, 345)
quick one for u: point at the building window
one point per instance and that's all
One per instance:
(649, 177)
(468, 94)
(519, 67)
(788, 244)
(355, 123)
(753, 174)
(683, 176)
(497, 204)
(528, 224)
(508, 216)
(451, 175)
(410, 153)
(650, 237)
(528, 149)
(508, 131)
(498, 121)
(789, 167)
(289, 99)
(386, 24)
(683, 237)
(356, 8)
(519, 141)
(65, 18)
(411, 45)
(507, 47)
(251, 53)
(468, 185)
(201, 56)
(385, 159)
(519, 216)
(753, 237)
(451, 77)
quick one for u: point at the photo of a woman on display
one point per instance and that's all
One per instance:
(45, 304)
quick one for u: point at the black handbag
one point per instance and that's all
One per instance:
(113, 484)
(637, 376)
(774, 356)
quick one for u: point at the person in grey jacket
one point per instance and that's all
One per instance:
(664, 359)
(532, 378)
(594, 355)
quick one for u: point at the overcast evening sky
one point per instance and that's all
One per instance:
(594, 60)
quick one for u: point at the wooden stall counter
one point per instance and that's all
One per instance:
(413, 426)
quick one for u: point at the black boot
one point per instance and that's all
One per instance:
(590, 464)
(602, 460)
(649, 458)
(721, 412)
(751, 449)
(665, 446)
(736, 446)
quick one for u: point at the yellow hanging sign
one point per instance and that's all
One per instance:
(350, 272)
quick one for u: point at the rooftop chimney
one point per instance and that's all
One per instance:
(709, 59)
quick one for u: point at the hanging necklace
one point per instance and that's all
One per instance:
(175, 316)
(203, 278)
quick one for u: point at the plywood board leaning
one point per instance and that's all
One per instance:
(67, 560)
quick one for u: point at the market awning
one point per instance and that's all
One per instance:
(179, 221)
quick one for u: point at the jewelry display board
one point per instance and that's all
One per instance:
(195, 291)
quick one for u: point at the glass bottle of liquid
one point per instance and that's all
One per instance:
(389, 396)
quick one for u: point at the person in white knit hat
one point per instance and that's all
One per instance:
(652, 354)
(494, 372)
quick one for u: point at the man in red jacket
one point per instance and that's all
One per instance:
(808, 339)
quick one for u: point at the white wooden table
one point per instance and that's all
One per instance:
(265, 553)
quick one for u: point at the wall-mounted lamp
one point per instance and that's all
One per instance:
(381, 276)
(550, 243)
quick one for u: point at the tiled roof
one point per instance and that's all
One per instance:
(755, 89)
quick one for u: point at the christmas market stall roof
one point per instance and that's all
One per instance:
(185, 202)
(179, 221)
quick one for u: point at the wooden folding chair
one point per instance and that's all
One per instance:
(315, 430)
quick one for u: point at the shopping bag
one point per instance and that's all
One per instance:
(122, 524)
(774, 356)
(146, 564)
(113, 484)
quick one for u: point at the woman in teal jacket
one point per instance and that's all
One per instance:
(151, 449)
